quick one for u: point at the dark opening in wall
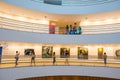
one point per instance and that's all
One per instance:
(54, 2)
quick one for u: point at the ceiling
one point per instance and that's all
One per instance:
(68, 6)
(61, 18)
(74, 2)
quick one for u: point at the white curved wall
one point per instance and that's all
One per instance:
(42, 28)
(25, 72)
(106, 7)
(21, 36)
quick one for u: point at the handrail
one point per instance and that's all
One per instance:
(99, 29)
(34, 27)
(23, 26)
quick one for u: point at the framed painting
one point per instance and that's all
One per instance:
(64, 52)
(27, 52)
(82, 53)
(47, 51)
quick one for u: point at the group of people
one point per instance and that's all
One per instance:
(54, 58)
(73, 29)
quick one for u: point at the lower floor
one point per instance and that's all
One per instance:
(68, 78)
(26, 70)
(49, 62)
(43, 50)
(80, 54)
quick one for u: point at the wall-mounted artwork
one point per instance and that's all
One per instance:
(64, 52)
(100, 53)
(28, 52)
(47, 51)
(52, 28)
(117, 53)
(82, 53)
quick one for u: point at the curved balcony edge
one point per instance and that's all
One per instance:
(22, 72)
(21, 36)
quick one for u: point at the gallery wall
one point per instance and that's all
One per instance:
(9, 48)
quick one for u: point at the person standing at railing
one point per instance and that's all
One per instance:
(67, 29)
(105, 58)
(54, 58)
(67, 56)
(70, 31)
(75, 28)
(17, 58)
(79, 30)
(33, 58)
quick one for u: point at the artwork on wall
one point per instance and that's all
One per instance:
(28, 52)
(100, 53)
(117, 53)
(47, 51)
(82, 53)
(64, 52)
(52, 28)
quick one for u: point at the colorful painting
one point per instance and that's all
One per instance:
(47, 51)
(117, 53)
(82, 53)
(64, 52)
(100, 53)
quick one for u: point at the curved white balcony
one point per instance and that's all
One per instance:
(20, 36)
(40, 28)
(39, 71)
(23, 26)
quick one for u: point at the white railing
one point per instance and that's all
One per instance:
(23, 26)
(109, 28)
(34, 27)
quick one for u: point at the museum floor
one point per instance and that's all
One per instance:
(68, 78)
(61, 63)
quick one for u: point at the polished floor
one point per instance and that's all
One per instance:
(68, 78)
(60, 63)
